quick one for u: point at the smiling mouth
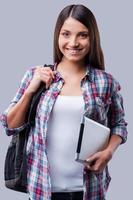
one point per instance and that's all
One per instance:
(73, 51)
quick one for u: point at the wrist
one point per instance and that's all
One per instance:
(109, 151)
(29, 93)
(114, 142)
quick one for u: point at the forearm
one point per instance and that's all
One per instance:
(98, 161)
(16, 115)
(114, 142)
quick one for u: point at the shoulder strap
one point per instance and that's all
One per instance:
(35, 100)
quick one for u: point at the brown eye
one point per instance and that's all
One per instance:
(66, 34)
(83, 35)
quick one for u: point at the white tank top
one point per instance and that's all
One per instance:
(62, 138)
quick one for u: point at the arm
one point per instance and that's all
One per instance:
(99, 160)
(114, 142)
(17, 114)
(117, 124)
(14, 118)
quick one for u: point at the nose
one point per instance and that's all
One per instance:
(73, 42)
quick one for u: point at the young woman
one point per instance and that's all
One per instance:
(77, 84)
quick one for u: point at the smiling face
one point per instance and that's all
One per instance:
(74, 41)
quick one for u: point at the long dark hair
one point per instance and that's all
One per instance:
(81, 13)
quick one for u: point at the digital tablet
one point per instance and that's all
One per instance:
(93, 137)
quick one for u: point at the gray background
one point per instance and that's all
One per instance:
(26, 39)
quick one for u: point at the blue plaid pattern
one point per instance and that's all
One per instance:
(102, 102)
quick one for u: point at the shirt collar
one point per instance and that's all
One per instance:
(89, 73)
(57, 74)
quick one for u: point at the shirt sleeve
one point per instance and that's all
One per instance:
(116, 113)
(23, 85)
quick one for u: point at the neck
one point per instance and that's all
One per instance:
(71, 67)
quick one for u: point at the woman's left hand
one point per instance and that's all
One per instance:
(98, 161)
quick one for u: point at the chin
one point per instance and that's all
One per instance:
(75, 60)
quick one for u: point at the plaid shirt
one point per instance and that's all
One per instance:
(102, 102)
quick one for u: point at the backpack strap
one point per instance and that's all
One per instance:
(35, 101)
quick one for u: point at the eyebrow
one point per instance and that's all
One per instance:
(78, 32)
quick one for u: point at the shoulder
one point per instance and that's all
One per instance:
(106, 80)
(30, 71)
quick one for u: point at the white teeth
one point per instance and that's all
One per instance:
(73, 51)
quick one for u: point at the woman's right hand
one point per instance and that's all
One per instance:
(17, 119)
(41, 74)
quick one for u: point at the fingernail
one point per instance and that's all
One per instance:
(88, 160)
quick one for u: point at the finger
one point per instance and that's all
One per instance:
(49, 73)
(87, 167)
(93, 157)
(88, 162)
(48, 69)
(45, 78)
(98, 166)
(95, 168)
(91, 160)
(54, 72)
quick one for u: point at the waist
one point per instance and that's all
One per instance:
(68, 195)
